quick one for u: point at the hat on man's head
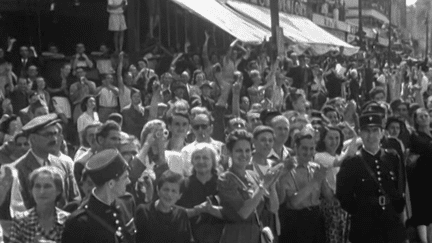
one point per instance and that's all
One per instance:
(40, 122)
(370, 120)
(374, 107)
(106, 165)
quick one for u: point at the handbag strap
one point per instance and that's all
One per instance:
(372, 174)
(244, 185)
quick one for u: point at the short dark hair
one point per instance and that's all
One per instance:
(377, 90)
(171, 177)
(237, 135)
(104, 130)
(4, 126)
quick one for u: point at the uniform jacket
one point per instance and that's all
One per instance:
(359, 195)
(82, 227)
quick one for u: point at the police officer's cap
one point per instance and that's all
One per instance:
(40, 122)
(370, 120)
(106, 165)
(374, 107)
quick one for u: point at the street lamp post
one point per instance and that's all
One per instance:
(360, 29)
(390, 33)
(274, 12)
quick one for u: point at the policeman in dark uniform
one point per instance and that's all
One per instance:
(107, 216)
(370, 188)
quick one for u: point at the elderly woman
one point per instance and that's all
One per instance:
(44, 222)
(242, 191)
(200, 188)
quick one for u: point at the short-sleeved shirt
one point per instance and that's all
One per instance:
(293, 181)
(113, 3)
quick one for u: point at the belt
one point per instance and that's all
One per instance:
(382, 200)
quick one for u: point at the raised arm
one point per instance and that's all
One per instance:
(119, 72)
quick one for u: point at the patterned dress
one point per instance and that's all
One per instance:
(26, 228)
(335, 218)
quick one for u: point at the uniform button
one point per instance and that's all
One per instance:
(379, 178)
(114, 214)
(117, 221)
(377, 167)
(376, 161)
(379, 172)
(119, 229)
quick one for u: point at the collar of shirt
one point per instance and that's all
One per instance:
(38, 159)
(371, 154)
(33, 219)
(273, 154)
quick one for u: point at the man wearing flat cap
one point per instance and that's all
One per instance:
(107, 216)
(370, 187)
(45, 137)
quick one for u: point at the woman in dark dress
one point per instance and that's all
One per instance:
(242, 191)
(200, 188)
(419, 175)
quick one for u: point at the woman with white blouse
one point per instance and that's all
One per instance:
(89, 116)
(330, 155)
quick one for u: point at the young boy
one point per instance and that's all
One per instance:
(162, 220)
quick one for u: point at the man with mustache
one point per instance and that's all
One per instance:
(44, 136)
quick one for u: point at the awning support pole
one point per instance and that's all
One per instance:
(274, 12)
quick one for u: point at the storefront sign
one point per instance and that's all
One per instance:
(330, 23)
(297, 7)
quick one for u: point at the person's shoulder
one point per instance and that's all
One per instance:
(78, 217)
(227, 181)
(352, 161)
(180, 213)
(391, 152)
(19, 163)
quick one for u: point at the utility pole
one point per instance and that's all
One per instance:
(360, 30)
(427, 34)
(390, 33)
(274, 12)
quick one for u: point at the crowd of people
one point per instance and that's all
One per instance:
(231, 147)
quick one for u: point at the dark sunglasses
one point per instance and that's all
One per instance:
(202, 126)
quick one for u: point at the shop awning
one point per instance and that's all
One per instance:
(224, 17)
(298, 29)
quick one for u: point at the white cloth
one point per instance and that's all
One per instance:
(327, 160)
(124, 97)
(85, 119)
(62, 106)
(107, 98)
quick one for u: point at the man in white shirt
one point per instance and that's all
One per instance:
(108, 98)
